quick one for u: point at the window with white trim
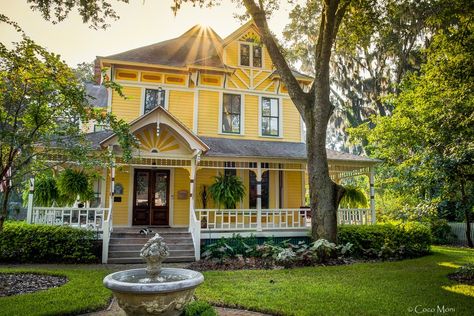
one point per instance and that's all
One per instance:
(231, 113)
(153, 98)
(270, 117)
(250, 55)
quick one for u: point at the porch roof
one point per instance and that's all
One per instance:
(224, 147)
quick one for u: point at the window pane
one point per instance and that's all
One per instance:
(274, 126)
(235, 123)
(265, 125)
(274, 105)
(257, 56)
(226, 122)
(161, 189)
(244, 55)
(227, 103)
(141, 188)
(236, 104)
(153, 98)
(266, 107)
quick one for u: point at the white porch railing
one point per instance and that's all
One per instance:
(91, 218)
(354, 216)
(107, 230)
(195, 230)
(271, 219)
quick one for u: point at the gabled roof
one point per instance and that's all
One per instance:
(197, 46)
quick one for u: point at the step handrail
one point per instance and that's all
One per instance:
(106, 231)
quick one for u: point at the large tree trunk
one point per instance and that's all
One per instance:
(467, 214)
(4, 210)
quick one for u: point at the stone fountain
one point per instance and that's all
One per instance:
(153, 290)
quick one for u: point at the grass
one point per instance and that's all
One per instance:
(82, 293)
(386, 288)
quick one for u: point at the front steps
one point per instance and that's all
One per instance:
(125, 244)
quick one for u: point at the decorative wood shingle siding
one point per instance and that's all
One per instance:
(180, 206)
(127, 109)
(181, 105)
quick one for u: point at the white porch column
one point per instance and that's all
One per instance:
(112, 190)
(259, 196)
(29, 214)
(372, 193)
(192, 188)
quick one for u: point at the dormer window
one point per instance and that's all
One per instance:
(153, 98)
(250, 55)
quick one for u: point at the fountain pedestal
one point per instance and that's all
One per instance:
(154, 290)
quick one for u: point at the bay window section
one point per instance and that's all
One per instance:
(270, 117)
(153, 98)
(231, 113)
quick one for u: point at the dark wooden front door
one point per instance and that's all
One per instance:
(151, 197)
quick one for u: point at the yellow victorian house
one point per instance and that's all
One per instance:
(201, 105)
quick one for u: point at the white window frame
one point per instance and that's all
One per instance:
(242, 113)
(251, 44)
(280, 116)
(142, 97)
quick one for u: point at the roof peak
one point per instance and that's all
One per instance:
(199, 30)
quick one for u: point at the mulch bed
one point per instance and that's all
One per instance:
(461, 278)
(21, 283)
(256, 264)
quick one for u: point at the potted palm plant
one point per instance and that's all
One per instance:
(226, 191)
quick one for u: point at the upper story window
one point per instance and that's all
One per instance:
(99, 127)
(153, 98)
(270, 117)
(250, 55)
(231, 113)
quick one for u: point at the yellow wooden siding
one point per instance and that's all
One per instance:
(180, 206)
(181, 105)
(251, 116)
(267, 61)
(291, 122)
(120, 209)
(204, 177)
(232, 54)
(127, 109)
(292, 187)
(208, 114)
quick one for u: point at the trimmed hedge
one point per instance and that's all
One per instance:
(403, 240)
(32, 243)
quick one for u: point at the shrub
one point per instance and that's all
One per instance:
(441, 232)
(21, 242)
(199, 308)
(465, 274)
(403, 240)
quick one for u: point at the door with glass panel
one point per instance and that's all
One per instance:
(151, 197)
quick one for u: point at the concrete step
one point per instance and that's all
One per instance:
(138, 247)
(142, 241)
(136, 253)
(166, 235)
(140, 260)
(158, 230)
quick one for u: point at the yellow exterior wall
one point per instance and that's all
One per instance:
(127, 109)
(204, 177)
(208, 114)
(120, 209)
(251, 116)
(181, 105)
(291, 122)
(180, 207)
(292, 189)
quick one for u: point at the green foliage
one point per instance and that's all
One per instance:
(73, 183)
(354, 197)
(227, 190)
(465, 274)
(28, 243)
(46, 190)
(441, 232)
(199, 308)
(402, 240)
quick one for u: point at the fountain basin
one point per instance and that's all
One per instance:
(167, 294)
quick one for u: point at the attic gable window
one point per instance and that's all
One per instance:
(153, 98)
(250, 55)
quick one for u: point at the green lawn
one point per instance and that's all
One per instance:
(389, 288)
(82, 293)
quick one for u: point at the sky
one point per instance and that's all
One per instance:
(142, 22)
